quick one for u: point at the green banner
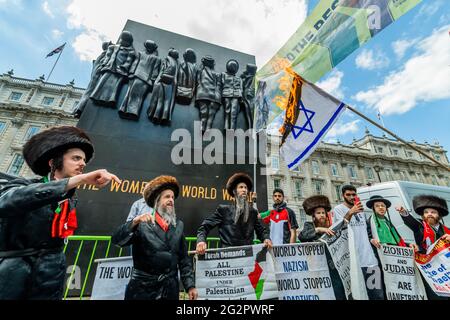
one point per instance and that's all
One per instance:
(332, 32)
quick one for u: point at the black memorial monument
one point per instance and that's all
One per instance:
(155, 86)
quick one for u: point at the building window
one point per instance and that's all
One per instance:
(318, 187)
(419, 177)
(389, 175)
(395, 152)
(31, 132)
(276, 183)
(369, 173)
(409, 154)
(437, 157)
(15, 96)
(275, 163)
(352, 171)
(298, 188)
(403, 176)
(338, 190)
(2, 127)
(421, 156)
(48, 101)
(301, 218)
(379, 149)
(315, 167)
(434, 180)
(334, 170)
(16, 165)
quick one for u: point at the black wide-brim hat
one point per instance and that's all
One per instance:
(421, 202)
(374, 199)
(158, 185)
(312, 203)
(237, 178)
(44, 146)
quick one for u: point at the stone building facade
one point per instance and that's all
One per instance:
(27, 107)
(369, 160)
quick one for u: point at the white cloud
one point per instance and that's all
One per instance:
(370, 60)
(424, 77)
(258, 27)
(88, 45)
(57, 34)
(332, 84)
(46, 8)
(401, 46)
(341, 128)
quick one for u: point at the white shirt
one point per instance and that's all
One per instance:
(364, 251)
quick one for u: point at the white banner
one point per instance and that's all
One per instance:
(340, 254)
(401, 278)
(302, 272)
(244, 273)
(435, 267)
(111, 278)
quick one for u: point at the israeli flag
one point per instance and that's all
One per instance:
(316, 113)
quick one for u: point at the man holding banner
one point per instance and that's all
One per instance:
(238, 222)
(430, 229)
(159, 249)
(380, 228)
(351, 211)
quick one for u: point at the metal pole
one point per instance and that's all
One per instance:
(59, 56)
(398, 138)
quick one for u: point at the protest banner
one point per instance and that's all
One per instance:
(339, 251)
(238, 273)
(111, 278)
(302, 272)
(435, 267)
(401, 279)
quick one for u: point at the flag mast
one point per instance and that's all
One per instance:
(397, 137)
(54, 65)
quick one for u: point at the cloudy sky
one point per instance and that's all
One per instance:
(404, 72)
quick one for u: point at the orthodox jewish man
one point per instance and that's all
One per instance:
(159, 248)
(36, 215)
(430, 228)
(237, 222)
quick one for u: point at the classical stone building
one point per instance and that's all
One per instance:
(369, 160)
(27, 107)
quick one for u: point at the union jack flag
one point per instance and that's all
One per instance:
(57, 50)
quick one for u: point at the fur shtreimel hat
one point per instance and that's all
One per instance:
(314, 202)
(237, 178)
(158, 185)
(421, 202)
(45, 145)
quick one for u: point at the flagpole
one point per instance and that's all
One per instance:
(398, 138)
(59, 56)
(254, 163)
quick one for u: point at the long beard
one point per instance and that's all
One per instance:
(168, 215)
(321, 223)
(242, 209)
(431, 221)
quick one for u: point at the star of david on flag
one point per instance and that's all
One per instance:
(310, 113)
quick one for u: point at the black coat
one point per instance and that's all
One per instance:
(32, 263)
(308, 233)
(157, 257)
(231, 234)
(417, 227)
